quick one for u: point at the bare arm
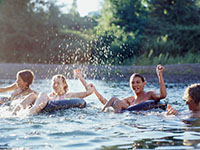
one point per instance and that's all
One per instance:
(100, 97)
(163, 92)
(8, 88)
(79, 75)
(39, 104)
(109, 103)
(81, 94)
(26, 102)
(129, 100)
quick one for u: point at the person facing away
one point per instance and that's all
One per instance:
(21, 87)
(137, 83)
(60, 92)
(192, 97)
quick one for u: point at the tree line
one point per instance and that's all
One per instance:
(125, 32)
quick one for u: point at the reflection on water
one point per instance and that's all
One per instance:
(89, 128)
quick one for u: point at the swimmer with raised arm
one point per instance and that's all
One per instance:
(60, 92)
(192, 97)
(137, 83)
(21, 87)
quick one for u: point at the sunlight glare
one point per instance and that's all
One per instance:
(84, 6)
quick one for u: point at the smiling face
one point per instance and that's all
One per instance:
(20, 83)
(58, 85)
(137, 84)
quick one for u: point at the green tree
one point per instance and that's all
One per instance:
(174, 27)
(17, 30)
(74, 9)
(30, 33)
(120, 30)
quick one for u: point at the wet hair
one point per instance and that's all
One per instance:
(137, 75)
(27, 76)
(64, 80)
(193, 92)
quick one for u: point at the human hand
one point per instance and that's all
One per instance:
(160, 69)
(91, 88)
(77, 73)
(171, 111)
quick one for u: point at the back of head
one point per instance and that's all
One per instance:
(193, 92)
(27, 76)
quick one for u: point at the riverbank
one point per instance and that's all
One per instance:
(173, 74)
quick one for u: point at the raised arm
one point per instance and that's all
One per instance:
(79, 75)
(100, 97)
(163, 93)
(8, 88)
(159, 71)
(88, 92)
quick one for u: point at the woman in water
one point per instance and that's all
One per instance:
(21, 87)
(60, 92)
(137, 83)
(192, 97)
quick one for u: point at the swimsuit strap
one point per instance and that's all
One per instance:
(57, 97)
(62, 97)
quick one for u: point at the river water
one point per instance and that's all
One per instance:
(90, 129)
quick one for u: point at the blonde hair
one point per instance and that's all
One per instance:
(64, 80)
(193, 92)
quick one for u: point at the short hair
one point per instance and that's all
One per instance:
(137, 75)
(27, 76)
(64, 80)
(193, 92)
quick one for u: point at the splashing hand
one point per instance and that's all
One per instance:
(77, 73)
(91, 88)
(171, 111)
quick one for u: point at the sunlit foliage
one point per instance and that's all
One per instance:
(36, 31)
(130, 29)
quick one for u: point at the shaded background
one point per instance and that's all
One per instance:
(124, 32)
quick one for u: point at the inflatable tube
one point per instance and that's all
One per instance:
(150, 104)
(54, 105)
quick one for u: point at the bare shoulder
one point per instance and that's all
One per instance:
(153, 95)
(150, 94)
(51, 94)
